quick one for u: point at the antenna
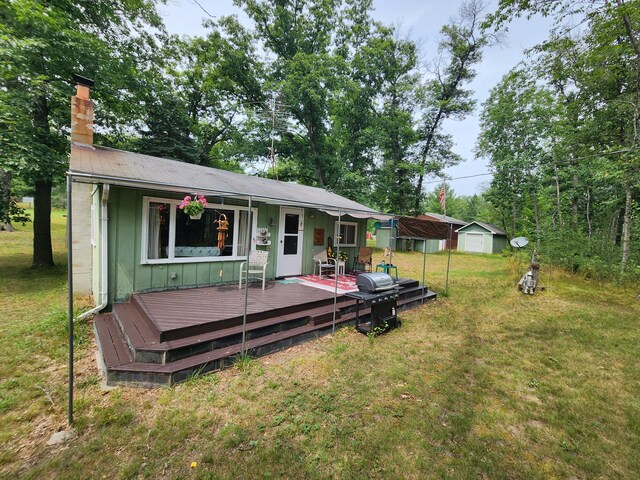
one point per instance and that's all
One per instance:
(278, 120)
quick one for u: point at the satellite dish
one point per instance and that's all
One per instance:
(519, 242)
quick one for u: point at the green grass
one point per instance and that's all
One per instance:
(485, 383)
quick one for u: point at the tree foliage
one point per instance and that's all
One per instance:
(585, 138)
(43, 44)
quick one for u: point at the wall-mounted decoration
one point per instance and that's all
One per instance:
(318, 236)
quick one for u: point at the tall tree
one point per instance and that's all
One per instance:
(461, 49)
(399, 96)
(596, 71)
(515, 136)
(44, 44)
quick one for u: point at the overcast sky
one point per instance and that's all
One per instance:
(422, 20)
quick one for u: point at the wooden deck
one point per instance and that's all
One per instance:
(180, 313)
(160, 338)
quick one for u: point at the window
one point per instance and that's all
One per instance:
(348, 236)
(170, 236)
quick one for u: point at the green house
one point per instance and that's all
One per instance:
(130, 235)
(480, 237)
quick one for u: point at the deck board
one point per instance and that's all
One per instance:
(188, 309)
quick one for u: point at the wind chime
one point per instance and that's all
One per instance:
(223, 228)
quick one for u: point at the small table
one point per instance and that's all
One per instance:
(386, 268)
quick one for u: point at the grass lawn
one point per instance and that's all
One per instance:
(486, 384)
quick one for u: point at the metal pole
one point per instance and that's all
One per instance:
(70, 299)
(393, 241)
(424, 265)
(246, 278)
(335, 293)
(446, 285)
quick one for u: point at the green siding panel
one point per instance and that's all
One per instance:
(433, 246)
(487, 246)
(128, 275)
(382, 237)
(499, 243)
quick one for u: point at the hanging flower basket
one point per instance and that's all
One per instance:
(193, 207)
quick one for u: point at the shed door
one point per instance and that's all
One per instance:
(474, 243)
(290, 241)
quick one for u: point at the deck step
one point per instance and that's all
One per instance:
(133, 354)
(415, 295)
(111, 342)
(149, 327)
(147, 349)
(229, 322)
(407, 282)
(215, 360)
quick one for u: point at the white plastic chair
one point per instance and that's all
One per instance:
(257, 265)
(323, 262)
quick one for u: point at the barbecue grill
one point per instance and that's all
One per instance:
(379, 292)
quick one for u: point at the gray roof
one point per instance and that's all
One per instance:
(445, 218)
(93, 163)
(487, 226)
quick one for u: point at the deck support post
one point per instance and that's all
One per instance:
(246, 278)
(336, 273)
(70, 299)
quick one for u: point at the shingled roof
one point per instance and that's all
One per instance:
(487, 226)
(118, 167)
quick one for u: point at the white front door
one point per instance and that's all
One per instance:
(290, 241)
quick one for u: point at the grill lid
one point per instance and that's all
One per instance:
(374, 282)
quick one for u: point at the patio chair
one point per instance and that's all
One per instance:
(364, 261)
(257, 265)
(322, 262)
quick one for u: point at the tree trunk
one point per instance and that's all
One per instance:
(589, 226)
(514, 218)
(42, 251)
(555, 168)
(5, 201)
(574, 201)
(626, 227)
(615, 221)
(536, 212)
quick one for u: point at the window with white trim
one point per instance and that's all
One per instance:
(348, 236)
(171, 236)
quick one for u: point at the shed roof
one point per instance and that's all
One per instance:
(91, 163)
(487, 226)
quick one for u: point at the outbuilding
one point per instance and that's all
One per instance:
(480, 237)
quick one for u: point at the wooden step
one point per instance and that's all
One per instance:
(407, 282)
(146, 349)
(135, 326)
(149, 327)
(111, 342)
(229, 322)
(181, 369)
(132, 353)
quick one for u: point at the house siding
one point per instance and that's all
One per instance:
(382, 237)
(127, 274)
(96, 253)
(499, 243)
(81, 238)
